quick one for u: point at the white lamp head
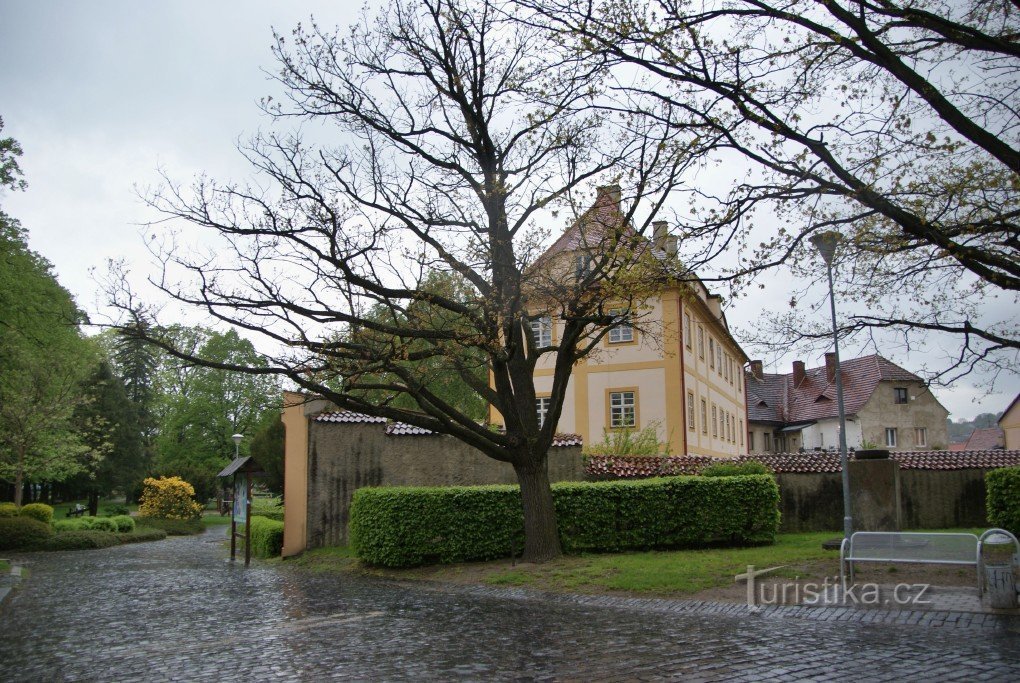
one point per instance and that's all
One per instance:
(825, 243)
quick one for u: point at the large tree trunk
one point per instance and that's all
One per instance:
(541, 536)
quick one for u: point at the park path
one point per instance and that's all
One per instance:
(175, 610)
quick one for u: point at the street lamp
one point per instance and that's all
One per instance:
(825, 243)
(237, 444)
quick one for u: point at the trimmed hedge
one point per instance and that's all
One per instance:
(734, 469)
(110, 524)
(8, 510)
(22, 532)
(401, 527)
(1003, 500)
(266, 537)
(38, 511)
(173, 527)
(141, 534)
(124, 523)
(81, 539)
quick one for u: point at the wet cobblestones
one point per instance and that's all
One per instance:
(175, 610)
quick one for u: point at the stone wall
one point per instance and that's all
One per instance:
(343, 457)
(929, 499)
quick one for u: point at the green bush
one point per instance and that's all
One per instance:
(8, 510)
(103, 524)
(38, 511)
(17, 533)
(141, 534)
(737, 469)
(173, 527)
(81, 539)
(1003, 500)
(399, 527)
(71, 524)
(116, 510)
(271, 508)
(124, 523)
(266, 537)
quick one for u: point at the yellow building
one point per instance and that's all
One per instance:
(676, 366)
(1010, 425)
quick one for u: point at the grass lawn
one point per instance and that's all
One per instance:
(679, 573)
(214, 519)
(60, 509)
(5, 567)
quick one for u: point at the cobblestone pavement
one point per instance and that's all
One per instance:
(175, 610)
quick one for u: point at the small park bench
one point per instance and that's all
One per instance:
(914, 547)
(77, 511)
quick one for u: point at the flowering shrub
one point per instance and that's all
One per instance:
(168, 498)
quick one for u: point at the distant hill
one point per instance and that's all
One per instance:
(961, 430)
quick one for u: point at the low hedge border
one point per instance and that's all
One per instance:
(402, 527)
(266, 537)
(173, 527)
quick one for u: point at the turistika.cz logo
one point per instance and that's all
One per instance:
(829, 592)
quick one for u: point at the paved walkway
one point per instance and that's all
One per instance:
(174, 610)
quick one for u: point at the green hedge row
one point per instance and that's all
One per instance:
(401, 527)
(173, 527)
(1003, 500)
(266, 537)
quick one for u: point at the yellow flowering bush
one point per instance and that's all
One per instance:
(168, 498)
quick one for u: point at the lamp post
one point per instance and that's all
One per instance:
(825, 243)
(237, 445)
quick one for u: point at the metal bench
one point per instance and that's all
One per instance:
(77, 511)
(916, 548)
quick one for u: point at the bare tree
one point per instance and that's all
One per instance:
(895, 122)
(462, 133)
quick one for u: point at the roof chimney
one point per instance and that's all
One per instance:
(671, 246)
(608, 195)
(756, 370)
(798, 373)
(660, 230)
(830, 366)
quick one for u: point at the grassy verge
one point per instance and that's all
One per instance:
(215, 520)
(5, 567)
(680, 573)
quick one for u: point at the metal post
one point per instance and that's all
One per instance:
(843, 458)
(233, 520)
(825, 243)
(247, 522)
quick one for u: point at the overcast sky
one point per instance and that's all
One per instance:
(103, 94)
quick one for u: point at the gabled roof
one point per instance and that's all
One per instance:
(775, 398)
(1008, 408)
(986, 439)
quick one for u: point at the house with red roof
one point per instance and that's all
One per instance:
(886, 406)
(1009, 423)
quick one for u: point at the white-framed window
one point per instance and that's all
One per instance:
(768, 442)
(715, 421)
(701, 342)
(890, 436)
(704, 416)
(741, 432)
(711, 353)
(688, 342)
(920, 436)
(622, 409)
(542, 408)
(750, 441)
(541, 331)
(690, 411)
(582, 265)
(624, 331)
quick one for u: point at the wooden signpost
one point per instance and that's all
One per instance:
(242, 470)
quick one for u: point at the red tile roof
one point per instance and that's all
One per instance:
(776, 399)
(629, 467)
(986, 439)
(348, 416)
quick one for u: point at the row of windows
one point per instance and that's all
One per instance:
(892, 436)
(724, 424)
(622, 333)
(622, 409)
(723, 363)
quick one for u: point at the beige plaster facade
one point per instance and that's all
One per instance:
(1010, 424)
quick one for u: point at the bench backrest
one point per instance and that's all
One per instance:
(955, 548)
